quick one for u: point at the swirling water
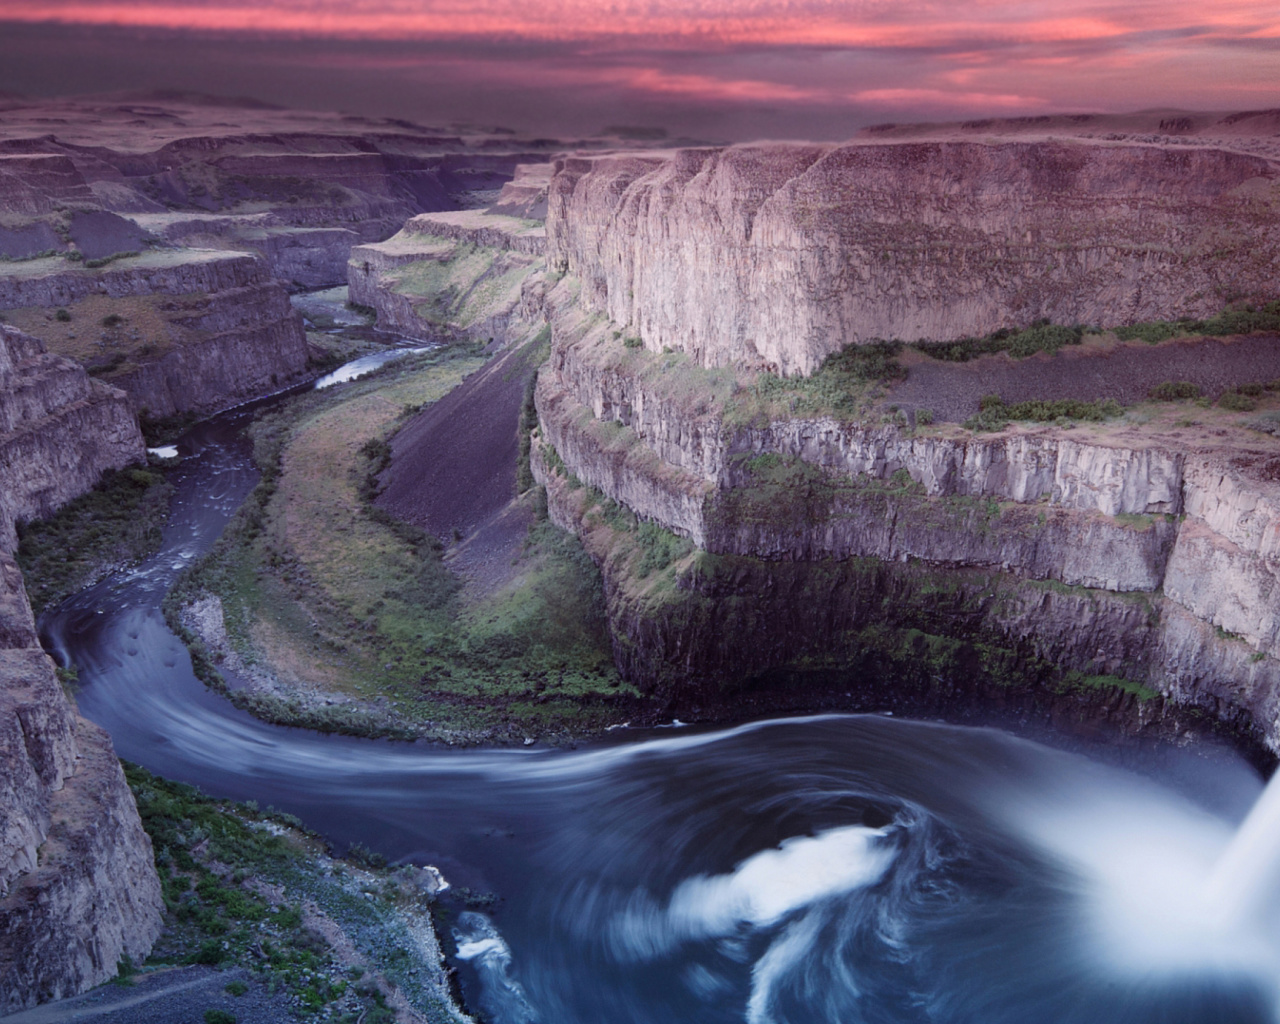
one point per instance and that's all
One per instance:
(832, 869)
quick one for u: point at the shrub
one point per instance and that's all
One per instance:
(219, 1017)
(924, 417)
(62, 316)
(1041, 336)
(1152, 333)
(1234, 401)
(102, 261)
(112, 320)
(237, 987)
(1173, 390)
(994, 414)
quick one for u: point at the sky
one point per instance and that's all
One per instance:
(718, 69)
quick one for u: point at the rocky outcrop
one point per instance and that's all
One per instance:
(78, 886)
(449, 277)
(776, 255)
(232, 333)
(1190, 531)
(525, 195)
(59, 429)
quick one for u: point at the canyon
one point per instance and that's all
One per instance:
(691, 305)
(695, 280)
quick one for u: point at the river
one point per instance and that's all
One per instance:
(832, 869)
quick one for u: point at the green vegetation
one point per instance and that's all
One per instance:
(160, 430)
(220, 864)
(62, 316)
(843, 384)
(459, 285)
(103, 261)
(1238, 400)
(994, 414)
(119, 521)
(1267, 423)
(539, 352)
(889, 631)
(1237, 320)
(1174, 391)
(1041, 336)
(330, 594)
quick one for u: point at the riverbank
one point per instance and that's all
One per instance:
(378, 635)
(311, 934)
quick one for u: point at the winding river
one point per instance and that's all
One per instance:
(834, 869)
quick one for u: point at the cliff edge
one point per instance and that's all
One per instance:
(776, 255)
(78, 888)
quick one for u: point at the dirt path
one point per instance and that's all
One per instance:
(1124, 372)
(177, 996)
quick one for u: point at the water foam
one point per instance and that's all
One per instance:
(773, 884)
(1166, 887)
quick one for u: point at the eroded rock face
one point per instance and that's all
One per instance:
(446, 277)
(78, 886)
(1192, 532)
(776, 255)
(233, 333)
(59, 429)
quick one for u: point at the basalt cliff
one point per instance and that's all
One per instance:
(727, 496)
(775, 256)
(180, 331)
(78, 887)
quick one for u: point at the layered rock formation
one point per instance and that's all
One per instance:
(1129, 553)
(297, 188)
(1090, 557)
(225, 330)
(78, 888)
(776, 255)
(465, 276)
(59, 429)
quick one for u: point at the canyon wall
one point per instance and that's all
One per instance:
(59, 429)
(834, 514)
(448, 277)
(78, 888)
(229, 331)
(776, 255)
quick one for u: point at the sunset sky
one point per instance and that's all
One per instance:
(718, 68)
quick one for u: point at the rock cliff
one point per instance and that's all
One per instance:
(464, 276)
(219, 328)
(78, 888)
(59, 429)
(776, 255)
(826, 509)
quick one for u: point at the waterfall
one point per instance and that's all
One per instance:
(1245, 883)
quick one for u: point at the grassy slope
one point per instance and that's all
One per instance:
(119, 521)
(322, 591)
(224, 868)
